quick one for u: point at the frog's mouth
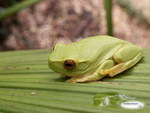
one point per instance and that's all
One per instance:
(69, 64)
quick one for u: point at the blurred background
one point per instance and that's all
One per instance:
(34, 24)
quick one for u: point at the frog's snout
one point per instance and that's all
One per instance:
(69, 64)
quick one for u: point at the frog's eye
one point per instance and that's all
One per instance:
(69, 64)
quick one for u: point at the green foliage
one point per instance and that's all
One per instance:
(18, 6)
(108, 8)
(11, 2)
(27, 85)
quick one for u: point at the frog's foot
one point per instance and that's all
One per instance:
(85, 78)
(105, 66)
(126, 57)
(71, 80)
(113, 71)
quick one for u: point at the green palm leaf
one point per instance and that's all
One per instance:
(27, 85)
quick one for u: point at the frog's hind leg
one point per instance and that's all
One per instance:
(126, 57)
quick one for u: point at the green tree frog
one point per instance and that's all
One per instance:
(93, 58)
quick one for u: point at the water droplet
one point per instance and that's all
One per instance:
(113, 99)
(103, 99)
(132, 105)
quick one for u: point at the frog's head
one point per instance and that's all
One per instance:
(67, 60)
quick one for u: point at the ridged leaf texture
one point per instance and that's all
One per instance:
(27, 85)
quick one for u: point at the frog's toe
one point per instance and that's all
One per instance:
(105, 72)
(72, 80)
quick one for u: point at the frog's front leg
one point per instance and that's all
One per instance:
(94, 76)
(126, 57)
(83, 78)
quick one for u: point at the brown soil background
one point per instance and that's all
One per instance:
(54, 21)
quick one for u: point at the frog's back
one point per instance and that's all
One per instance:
(102, 40)
(98, 45)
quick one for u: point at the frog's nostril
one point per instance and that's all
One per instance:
(69, 64)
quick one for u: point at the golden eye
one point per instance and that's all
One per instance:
(69, 64)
